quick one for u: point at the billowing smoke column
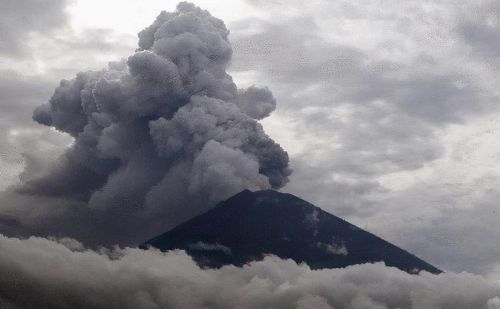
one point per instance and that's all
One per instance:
(158, 137)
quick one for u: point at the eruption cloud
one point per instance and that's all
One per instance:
(158, 138)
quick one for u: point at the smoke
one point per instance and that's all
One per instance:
(42, 273)
(158, 138)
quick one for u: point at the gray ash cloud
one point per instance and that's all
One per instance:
(158, 137)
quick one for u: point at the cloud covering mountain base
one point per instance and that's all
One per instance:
(43, 273)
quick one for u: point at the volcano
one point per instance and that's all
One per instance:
(251, 225)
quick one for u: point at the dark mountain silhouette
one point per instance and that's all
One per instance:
(250, 225)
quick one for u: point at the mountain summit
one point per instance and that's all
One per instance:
(250, 225)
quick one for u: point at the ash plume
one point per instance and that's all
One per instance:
(158, 137)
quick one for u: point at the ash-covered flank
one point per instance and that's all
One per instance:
(250, 225)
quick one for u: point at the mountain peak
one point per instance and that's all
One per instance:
(250, 225)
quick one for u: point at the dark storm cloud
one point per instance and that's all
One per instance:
(158, 137)
(20, 19)
(133, 278)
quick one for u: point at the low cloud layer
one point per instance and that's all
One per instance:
(158, 137)
(42, 273)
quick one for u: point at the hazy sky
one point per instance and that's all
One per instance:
(388, 109)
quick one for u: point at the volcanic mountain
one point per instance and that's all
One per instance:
(250, 225)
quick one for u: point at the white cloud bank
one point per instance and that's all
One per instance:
(43, 273)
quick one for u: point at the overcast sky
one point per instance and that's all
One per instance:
(387, 109)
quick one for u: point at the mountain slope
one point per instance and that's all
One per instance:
(251, 224)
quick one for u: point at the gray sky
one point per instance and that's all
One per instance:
(388, 109)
